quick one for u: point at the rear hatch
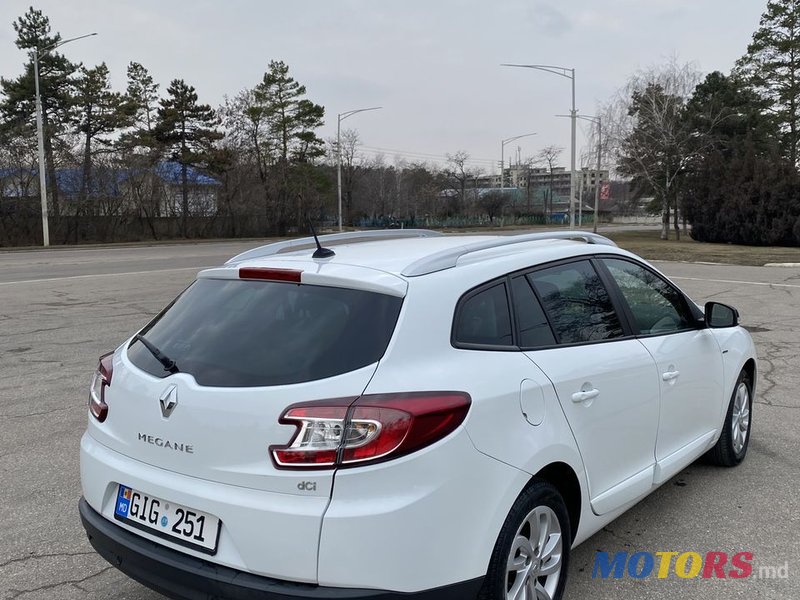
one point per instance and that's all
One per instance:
(244, 351)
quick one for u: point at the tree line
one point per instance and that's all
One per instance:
(270, 168)
(720, 150)
(718, 153)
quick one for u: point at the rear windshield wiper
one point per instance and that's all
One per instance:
(169, 364)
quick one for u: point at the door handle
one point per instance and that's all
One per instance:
(584, 396)
(670, 375)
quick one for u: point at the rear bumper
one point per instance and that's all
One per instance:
(185, 577)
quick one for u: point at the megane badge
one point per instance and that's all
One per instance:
(169, 400)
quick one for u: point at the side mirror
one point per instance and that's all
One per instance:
(721, 315)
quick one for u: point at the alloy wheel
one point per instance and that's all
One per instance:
(740, 420)
(535, 560)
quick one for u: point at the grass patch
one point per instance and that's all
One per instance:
(647, 244)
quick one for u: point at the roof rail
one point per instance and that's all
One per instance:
(446, 259)
(277, 247)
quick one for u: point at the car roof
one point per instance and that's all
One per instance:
(392, 255)
(411, 255)
(388, 265)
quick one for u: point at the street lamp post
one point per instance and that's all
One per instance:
(40, 133)
(40, 142)
(569, 74)
(503, 157)
(342, 117)
(597, 121)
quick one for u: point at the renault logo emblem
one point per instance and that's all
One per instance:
(169, 400)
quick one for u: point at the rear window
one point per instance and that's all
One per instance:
(484, 319)
(234, 333)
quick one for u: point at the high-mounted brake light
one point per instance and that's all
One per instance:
(344, 432)
(270, 274)
(100, 381)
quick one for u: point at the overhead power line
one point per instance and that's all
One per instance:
(419, 155)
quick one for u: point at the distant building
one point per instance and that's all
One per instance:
(203, 190)
(163, 185)
(591, 178)
(538, 185)
(18, 183)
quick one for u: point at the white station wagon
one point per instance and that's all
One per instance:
(403, 415)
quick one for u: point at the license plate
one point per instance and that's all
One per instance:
(180, 524)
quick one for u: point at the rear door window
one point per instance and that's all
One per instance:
(534, 330)
(577, 303)
(235, 333)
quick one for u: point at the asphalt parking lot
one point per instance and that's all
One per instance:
(60, 309)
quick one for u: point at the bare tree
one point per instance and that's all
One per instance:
(549, 156)
(142, 190)
(352, 168)
(527, 164)
(247, 133)
(18, 161)
(492, 204)
(420, 187)
(648, 135)
(459, 172)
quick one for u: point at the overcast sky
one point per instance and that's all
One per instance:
(432, 64)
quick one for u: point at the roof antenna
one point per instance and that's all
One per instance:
(320, 252)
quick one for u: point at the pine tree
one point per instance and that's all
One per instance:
(738, 189)
(723, 113)
(772, 68)
(139, 150)
(18, 103)
(188, 132)
(292, 120)
(141, 103)
(98, 112)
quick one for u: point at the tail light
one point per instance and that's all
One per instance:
(97, 392)
(349, 432)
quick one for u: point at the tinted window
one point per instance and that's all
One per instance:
(235, 333)
(657, 307)
(484, 318)
(534, 330)
(577, 303)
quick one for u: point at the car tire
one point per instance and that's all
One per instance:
(731, 448)
(532, 551)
